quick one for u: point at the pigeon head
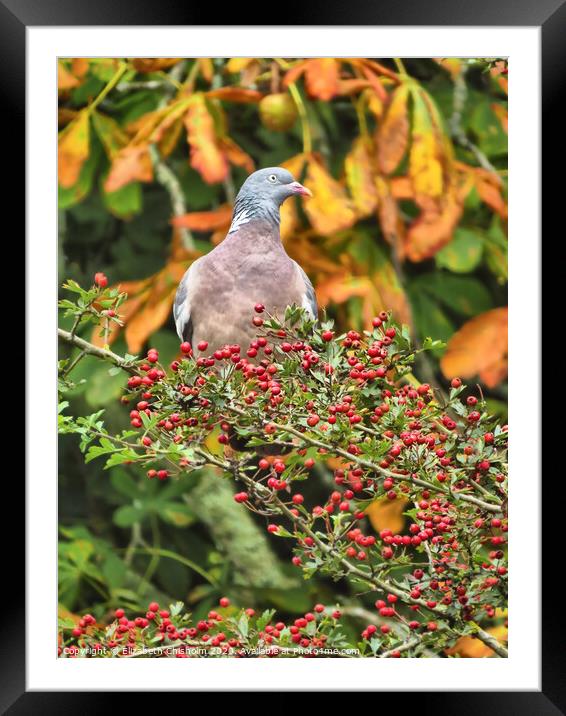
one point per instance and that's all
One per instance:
(262, 194)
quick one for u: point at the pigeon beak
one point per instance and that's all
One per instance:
(300, 189)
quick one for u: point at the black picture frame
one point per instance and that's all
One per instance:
(15, 17)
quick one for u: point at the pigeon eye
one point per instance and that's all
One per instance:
(272, 178)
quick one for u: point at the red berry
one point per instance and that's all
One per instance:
(259, 308)
(327, 336)
(456, 383)
(186, 347)
(100, 280)
(224, 602)
(202, 345)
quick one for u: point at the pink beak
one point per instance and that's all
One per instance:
(300, 189)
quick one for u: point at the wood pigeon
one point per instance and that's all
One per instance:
(216, 297)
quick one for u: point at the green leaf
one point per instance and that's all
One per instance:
(463, 253)
(176, 514)
(128, 515)
(125, 202)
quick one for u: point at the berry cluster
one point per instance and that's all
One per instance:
(300, 396)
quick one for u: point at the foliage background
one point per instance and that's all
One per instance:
(407, 162)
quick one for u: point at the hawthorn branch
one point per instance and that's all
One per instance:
(368, 577)
(373, 466)
(92, 350)
(456, 129)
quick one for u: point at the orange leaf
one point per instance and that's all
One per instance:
(80, 66)
(392, 136)
(479, 348)
(235, 94)
(154, 64)
(385, 514)
(353, 86)
(206, 68)
(205, 220)
(205, 154)
(65, 80)
(322, 78)
(148, 320)
(73, 149)
(435, 225)
(491, 195)
(132, 163)
(342, 287)
(329, 210)
(294, 73)
(236, 154)
(360, 176)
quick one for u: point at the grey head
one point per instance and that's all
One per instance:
(262, 194)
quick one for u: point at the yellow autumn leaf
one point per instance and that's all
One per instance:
(392, 137)
(73, 149)
(385, 514)
(360, 176)
(330, 209)
(237, 64)
(468, 647)
(425, 167)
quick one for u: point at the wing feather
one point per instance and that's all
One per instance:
(309, 298)
(182, 304)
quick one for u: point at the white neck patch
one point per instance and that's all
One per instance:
(241, 218)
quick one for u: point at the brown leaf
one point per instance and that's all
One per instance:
(479, 348)
(385, 514)
(73, 149)
(205, 220)
(390, 221)
(392, 135)
(329, 210)
(235, 94)
(360, 176)
(322, 78)
(205, 154)
(132, 163)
